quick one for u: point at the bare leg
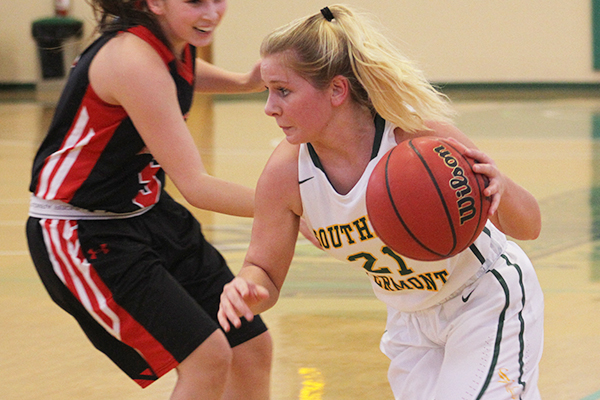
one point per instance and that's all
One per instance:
(250, 373)
(203, 374)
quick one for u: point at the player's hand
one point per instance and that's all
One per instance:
(486, 166)
(237, 298)
(254, 78)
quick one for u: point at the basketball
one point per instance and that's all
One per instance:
(424, 201)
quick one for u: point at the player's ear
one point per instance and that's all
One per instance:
(156, 6)
(340, 89)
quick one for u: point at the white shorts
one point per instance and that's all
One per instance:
(485, 343)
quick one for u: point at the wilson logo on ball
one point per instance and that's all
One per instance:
(460, 184)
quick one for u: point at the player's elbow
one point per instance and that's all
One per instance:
(535, 225)
(535, 232)
(527, 231)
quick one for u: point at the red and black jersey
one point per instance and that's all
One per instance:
(93, 157)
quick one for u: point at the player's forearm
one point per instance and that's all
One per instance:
(212, 79)
(518, 214)
(218, 195)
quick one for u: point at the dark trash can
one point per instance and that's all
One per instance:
(50, 35)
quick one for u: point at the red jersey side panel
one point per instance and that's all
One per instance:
(66, 169)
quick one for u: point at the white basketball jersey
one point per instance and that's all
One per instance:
(341, 224)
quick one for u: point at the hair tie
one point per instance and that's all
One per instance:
(327, 14)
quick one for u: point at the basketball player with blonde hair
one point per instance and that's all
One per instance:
(344, 96)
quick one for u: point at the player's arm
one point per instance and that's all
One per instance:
(514, 210)
(274, 232)
(212, 79)
(143, 86)
(517, 212)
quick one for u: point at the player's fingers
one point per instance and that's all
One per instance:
(479, 156)
(238, 285)
(495, 204)
(493, 187)
(487, 169)
(494, 191)
(249, 291)
(239, 292)
(222, 318)
(259, 292)
(232, 302)
(236, 299)
(228, 313)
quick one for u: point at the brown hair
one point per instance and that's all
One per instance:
(118, 15)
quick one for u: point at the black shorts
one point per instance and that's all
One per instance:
(145, 290)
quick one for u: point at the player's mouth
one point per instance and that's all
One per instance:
(204, 30)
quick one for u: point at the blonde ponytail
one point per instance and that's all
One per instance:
(381, 78)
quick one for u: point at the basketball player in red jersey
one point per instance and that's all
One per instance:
(111, 246)
(466, 327)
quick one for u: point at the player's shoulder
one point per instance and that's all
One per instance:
(279, 179)
(283, 161)
(127, 63)
(129, 49)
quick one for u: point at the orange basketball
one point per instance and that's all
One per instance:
(424, 201)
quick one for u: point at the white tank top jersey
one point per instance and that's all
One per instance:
(341, 224)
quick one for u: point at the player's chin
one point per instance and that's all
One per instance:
(292, 137)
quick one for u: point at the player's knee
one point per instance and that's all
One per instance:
(219, 353)
(213, 356)
(256, 352)
(220, 358)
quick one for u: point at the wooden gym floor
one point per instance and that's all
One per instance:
(327, 325)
